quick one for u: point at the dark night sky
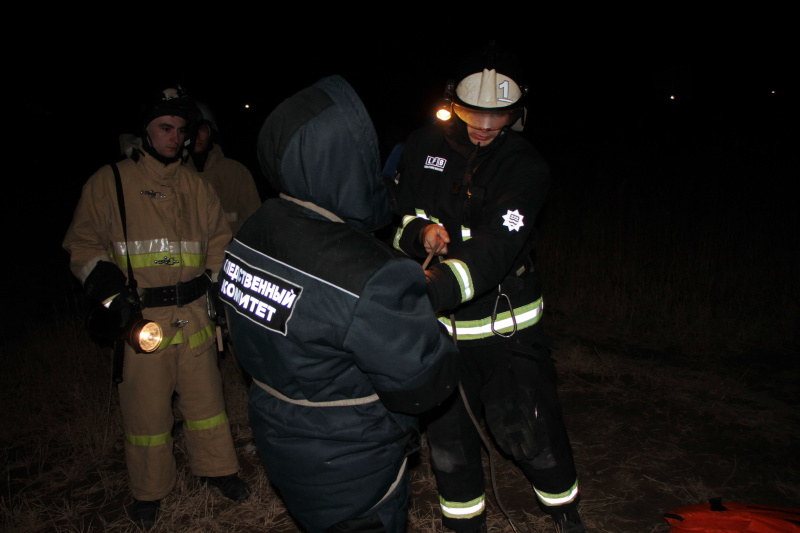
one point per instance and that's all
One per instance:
(591, 77)
(600, 74)
(598, 77)
(603, 67)
(595, 63)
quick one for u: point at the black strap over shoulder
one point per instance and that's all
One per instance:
(180, 294)
(121, 202)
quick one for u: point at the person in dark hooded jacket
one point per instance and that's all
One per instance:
(336, 330)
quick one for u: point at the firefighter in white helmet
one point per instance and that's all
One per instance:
(469, 192)
(173, 237)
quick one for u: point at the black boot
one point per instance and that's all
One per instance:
(144, 513)
(230, 486)
(569, 521)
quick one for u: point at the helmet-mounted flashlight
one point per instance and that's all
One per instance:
(444, 111)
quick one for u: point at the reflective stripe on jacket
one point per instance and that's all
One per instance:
(176, 229)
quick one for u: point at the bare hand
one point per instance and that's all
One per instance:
(435, 239)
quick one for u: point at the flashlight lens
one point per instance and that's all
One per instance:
(150, 337)
(443, 114)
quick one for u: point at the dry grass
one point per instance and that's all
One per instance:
(650, 432)
(674, 236)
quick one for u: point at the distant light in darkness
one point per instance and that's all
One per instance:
(672, 97)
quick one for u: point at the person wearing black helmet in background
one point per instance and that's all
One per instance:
(469, 191)
(237, 193)
(172, 239)
(231, 179)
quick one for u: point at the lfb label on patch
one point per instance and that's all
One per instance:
(262, 297)
(435, 163)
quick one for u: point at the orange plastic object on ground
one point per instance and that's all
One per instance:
(716, 517)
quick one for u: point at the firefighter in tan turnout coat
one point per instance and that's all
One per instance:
(176, 236)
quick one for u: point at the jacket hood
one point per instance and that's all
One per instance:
(320, 146)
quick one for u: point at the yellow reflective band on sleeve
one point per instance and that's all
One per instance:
(396, 240)
(525, 316)
(557, 499)
(399, 233)
(208, 423)
(198, 338)
(464, 278)
(466, 234)
(468, 509)
(405, 222)
(149, 440)
(422, 214)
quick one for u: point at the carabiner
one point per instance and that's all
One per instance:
(510, 310)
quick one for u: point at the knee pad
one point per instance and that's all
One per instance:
(511, 405)
(449, 458)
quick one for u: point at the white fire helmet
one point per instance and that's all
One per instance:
(486, 99)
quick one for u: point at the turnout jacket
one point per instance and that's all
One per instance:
(335, 329)
(488, 199)
(234, 185)
(176, 229)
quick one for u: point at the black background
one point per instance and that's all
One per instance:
(601, 83)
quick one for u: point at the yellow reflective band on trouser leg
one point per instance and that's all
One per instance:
(562, 498)
(149, 440)
(468, 509)
(208, 423)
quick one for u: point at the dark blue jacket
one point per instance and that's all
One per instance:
(335, 329)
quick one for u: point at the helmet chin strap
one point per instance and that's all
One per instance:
(147, 146)
(519, 120)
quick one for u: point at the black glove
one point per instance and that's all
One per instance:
(104, 281)
(124, 305)
(108, 323)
